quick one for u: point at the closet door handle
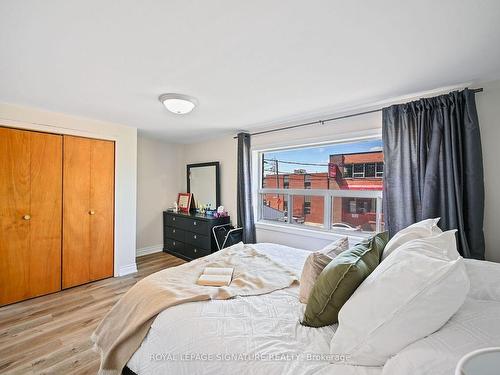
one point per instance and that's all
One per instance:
(91, 212)
(26, 217)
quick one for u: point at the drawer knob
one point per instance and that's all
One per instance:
(195, 223)
(195, 250)
(173, 243)
(195, 237)
(91, 212)
(173, 230)
(173, 219)
(26, 217)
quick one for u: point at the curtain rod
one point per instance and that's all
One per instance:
(322, 122)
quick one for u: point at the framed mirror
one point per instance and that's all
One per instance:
(203, 181)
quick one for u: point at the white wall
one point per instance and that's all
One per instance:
(162, 174)
(488, 107)
(222, 150)
(125, 167)
(159, 167)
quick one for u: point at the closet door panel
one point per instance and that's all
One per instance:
(76, 217)
(14, 205)
(102, 206)
(46, 214)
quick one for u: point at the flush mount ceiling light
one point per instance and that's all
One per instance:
(178, 103)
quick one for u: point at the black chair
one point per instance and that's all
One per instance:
(226, 235)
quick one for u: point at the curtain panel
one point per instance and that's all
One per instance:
(244, 183)
(434, 167)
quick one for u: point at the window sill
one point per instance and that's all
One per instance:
(317, 233)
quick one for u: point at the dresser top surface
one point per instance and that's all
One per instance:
(191, 215)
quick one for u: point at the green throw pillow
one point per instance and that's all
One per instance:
(340, 279)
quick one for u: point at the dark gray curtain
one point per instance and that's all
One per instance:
(245, 208)
(434, 167)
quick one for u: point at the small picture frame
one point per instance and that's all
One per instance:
(184, 202)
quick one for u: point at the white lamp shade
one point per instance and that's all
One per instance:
(177, 103)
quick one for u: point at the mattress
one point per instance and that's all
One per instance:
(262, 334)
(244, 335)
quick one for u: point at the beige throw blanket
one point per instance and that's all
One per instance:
(121, 332)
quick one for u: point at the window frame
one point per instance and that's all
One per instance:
(310, 231)
(308, 181)
(379, 174)
(328, 196)
(358, 174)
(374, 170)
(307, 207)
(286, 181)
(345, 169)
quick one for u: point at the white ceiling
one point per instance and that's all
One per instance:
(248, 63)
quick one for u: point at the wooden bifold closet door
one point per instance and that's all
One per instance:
(30, 214)
(88, 216)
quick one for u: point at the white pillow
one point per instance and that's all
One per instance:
(422, 229)
(407, 297)
(315, 263)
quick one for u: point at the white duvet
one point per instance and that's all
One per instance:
(262, 334)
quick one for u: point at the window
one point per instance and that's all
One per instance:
(307, 205)
(273, 207)
(347, 171)
(358, 171)
(370, 170)
(335, 187)
(355, 214)
(307, 181)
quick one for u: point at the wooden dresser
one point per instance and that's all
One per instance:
(189, 236)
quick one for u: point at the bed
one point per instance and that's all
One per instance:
(262, 334)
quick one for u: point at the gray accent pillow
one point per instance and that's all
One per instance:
(315, 263)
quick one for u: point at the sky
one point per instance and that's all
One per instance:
(317, 155)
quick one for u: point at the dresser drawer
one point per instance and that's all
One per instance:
(196, 226)
(176, 221)
(198, 240)
(169, 220)
(175, 233)
(173, 245)
(194, 252)
(191, 225)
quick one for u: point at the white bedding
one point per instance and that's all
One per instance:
(265, 329)
(265, 335)
(475, 325)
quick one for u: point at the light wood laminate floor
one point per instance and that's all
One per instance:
(51, 334)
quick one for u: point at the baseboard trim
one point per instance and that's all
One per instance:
(127, 270)
(149, 250)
